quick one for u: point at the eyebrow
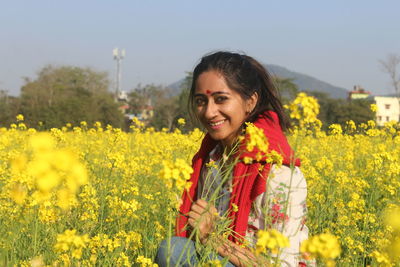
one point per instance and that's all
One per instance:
(214, 93)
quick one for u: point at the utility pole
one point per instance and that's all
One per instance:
(118, 56)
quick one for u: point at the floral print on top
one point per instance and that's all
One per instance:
(281, 207)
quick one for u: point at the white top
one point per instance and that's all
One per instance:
(284, 185)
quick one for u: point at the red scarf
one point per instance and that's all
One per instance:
(248, 182)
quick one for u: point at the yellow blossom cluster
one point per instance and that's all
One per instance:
(181, 121)
(70, 241)
(390, 254)
(176, 174)
(374, 108)
(20, 117)
(271, 240)
(47, 170)
(325, 246)
(145, 262)
(256, 139)
(137, 123)
(304, 109)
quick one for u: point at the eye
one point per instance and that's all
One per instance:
(199, 101)
(220, 99)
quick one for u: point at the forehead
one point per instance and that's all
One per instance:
(211, 81)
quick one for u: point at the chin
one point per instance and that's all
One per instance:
(217, 136)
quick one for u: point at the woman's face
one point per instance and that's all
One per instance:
(220, 109)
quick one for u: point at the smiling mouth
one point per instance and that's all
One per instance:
(216, 124)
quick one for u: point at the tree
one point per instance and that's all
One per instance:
(158, 98)
(389, 66)
(168, 108)
(9, 107)
(68, 94)
(142, 97)
(165, 113)
(287, 88)
(183, 110)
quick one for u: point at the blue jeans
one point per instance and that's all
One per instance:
(181, 252)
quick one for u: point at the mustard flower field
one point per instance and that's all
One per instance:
(94, 196)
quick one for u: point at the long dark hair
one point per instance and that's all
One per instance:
(246, 76)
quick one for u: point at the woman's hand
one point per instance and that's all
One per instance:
(202, 216)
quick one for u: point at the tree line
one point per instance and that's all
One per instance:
(61, 95)
(68, 94)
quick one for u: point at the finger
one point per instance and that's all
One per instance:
(209, 209)
(213, 210)
(198, 209)
(192, 222)
(206, 205)
(202, 203)
(194, 215)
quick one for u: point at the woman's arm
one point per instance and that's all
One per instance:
(202, 216)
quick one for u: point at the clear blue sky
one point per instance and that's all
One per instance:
(339, 41)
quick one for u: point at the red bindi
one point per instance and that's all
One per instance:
(208, 92)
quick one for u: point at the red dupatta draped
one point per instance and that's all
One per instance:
(248, 181)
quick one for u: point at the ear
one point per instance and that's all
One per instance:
(251, 103)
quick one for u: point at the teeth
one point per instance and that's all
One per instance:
(216, 123)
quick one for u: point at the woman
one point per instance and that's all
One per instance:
(228, 90)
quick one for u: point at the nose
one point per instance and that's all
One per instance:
(211, 110)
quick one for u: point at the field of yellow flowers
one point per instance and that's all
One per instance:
(94, 196)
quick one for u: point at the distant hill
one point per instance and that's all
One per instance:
(176, 87)
(303, 82)
(307, 83)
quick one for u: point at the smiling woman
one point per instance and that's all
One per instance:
(231, 184)
(220, 109)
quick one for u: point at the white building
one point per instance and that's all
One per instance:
(358, 93)
(388, 109)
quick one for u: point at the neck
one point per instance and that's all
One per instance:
(230, 143)
(228, 147)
